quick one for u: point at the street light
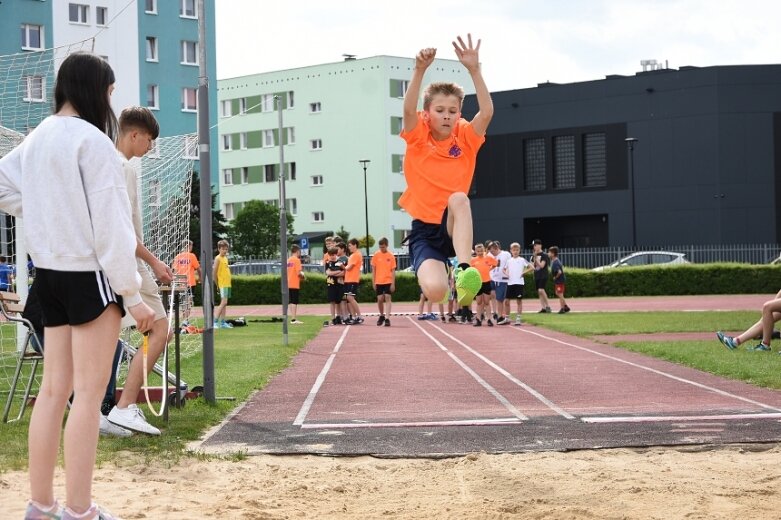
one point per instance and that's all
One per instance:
(630, 142)
(364, 162)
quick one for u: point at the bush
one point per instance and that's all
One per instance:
(636, 281)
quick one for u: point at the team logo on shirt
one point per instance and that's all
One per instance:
(454, 151)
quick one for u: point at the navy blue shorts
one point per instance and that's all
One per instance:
(430, 241)
(501, 290)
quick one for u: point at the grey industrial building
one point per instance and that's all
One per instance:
(705, 169)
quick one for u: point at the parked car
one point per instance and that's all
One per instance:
(640, 258)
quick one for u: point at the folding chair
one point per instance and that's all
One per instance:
(30, 354)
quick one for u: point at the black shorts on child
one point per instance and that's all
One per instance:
(292, 295)
(74, 297)
(430, 241)
(335, 293)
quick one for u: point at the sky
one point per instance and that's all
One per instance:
(524, 42)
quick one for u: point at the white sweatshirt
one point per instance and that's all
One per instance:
(66, 180)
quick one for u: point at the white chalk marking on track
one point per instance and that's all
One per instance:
(493, 391)
(319, 382)
(466, 422)
(509, 376)
(681, 418)
(655, 371)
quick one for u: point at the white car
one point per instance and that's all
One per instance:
(664, 258)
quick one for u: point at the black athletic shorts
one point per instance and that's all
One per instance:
(541, 282)
(514, 292)
(335, 293)
(484, 289)
(73, 297)
(351, 289)
(382, 288)
(292, 296)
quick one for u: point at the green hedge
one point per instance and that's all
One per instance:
(636, 281)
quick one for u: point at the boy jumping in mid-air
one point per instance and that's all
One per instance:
(438, 166)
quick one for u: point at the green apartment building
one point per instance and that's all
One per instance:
(334, 115)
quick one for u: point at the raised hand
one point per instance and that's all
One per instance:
(468, 54)
(425, 57)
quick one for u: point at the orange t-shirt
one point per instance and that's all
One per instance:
(354, 274)
(383, 265)
(434, 170)
(186, 263)
(484, 264)
(293, 270)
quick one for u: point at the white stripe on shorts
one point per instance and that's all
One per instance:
(106, 294)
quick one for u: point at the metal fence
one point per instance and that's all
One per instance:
(584, 257)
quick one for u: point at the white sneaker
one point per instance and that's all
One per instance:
(133, 419)
(107, 428)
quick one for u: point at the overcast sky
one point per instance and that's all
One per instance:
(524, 42)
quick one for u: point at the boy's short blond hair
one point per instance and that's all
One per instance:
(515, 245)
(222, 243)
(444, 88)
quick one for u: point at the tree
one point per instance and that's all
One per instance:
(219, 222)
(362, 242)
(344, 234)
(255, 230)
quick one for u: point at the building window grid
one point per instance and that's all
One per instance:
(242, 106)
(189, 99)
(245, 175)
(151, 48)
(32, 37)
(534, 164)
(564, 162)
(226, 108)
(189, 53)
(269, 173)
(318, 216)
(226, 143)
(227, 177)
(78, 13)
(317, 180)
(316, 144)
(268, 139)
(243, 140)
(315, 108)
(188, 9)
(228, 209)
(153, 97)
(150, 6)
(594, 160)
(35, 89)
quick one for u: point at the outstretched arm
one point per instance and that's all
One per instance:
(422, 61)
(469, 57)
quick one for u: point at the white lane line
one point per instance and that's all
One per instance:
(493, 391)
(466, 422)
(302, 413)
(681, 418)
(655, 371)
(509, 376)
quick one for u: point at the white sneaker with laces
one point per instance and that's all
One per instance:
(107, 428)
(132, 418)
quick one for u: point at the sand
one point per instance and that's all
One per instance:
(664, 483)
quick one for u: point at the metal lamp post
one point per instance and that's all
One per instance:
(630, 142)
(364, 162)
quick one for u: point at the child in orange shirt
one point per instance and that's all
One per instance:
(438, 166)
(483, 263)
(384, 280)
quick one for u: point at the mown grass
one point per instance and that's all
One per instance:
(246, 358)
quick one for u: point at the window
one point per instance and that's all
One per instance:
(150, 7)
(191, 146)
(291, 135)
(397, 163)
(564, 162)
(318, 216)
(225, 108)
(269, 173)
(77, 13)
(242, 106)
(189, 53)
(268, 138)
(151, 48)
(245, 175)
(32, 37)
(534, 164)
(243, 141)
(315, 107)
(291, 171)
(227, 177)
(153, 97)
(396, 125)
(594, 160)
(155, 192)
(226, 142)
(291, 205)
(291, 99)
(35, 89)
(317, 180)
(188, 9)
(189, 99)
(267, 103)
(101, 16)
(316, 144)
(398, 87)
(227, 209)
(398, 236)
(396, 195)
